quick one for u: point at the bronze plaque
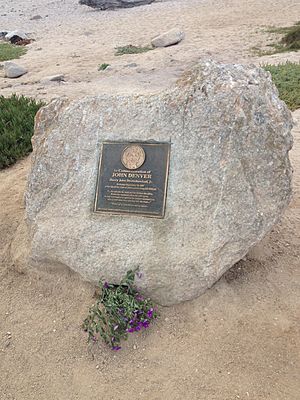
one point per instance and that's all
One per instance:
(132, 178)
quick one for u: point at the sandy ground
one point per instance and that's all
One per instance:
(240, 340)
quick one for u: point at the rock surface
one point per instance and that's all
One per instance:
(173, 36)
(20, 34)
(111, 4)
(12, 70)
(36, 18)
(229, 180)
(53, 78)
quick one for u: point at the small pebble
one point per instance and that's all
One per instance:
(131, 65)
(35, 17)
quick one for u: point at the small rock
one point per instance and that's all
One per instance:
(35, 17)
(111, 4)
(20, 34)
(20, 42)
(169, 38)
(54, 78)
(12, 70)
(131, 65)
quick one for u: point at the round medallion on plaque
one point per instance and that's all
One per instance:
(133, 156)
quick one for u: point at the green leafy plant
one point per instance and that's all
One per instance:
(16, 127)
(287, 79)
(102, 67)
(118, 311)
(130, 49)
(10, 52)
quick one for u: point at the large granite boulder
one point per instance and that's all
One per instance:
(229, 180)
(111, 4)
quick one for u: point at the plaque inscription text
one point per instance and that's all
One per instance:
(132, 178)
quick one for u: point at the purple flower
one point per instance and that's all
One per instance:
(116, 348)
(139, 297)
(106, 285)
(145, 323)
(150, 313)
(130, 330)
(138, 328)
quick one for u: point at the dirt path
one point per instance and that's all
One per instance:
(241, 340)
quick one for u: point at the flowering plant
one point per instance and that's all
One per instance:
(118, 311)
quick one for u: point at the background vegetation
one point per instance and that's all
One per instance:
(130, 49)
(290, 40)
(287, 79)
(9, 51)
(102, 67)
(16, 127)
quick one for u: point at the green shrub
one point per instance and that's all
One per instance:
(119, 311)
(102, 67)
(130, 49)
(9, 51)
(290, 40)
(287, 79)
(16, 127)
